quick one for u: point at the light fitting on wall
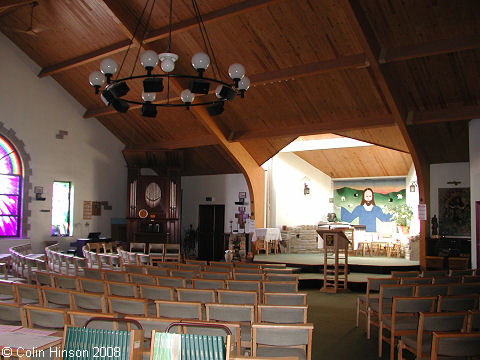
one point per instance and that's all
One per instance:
(115, 89)
(413, 186)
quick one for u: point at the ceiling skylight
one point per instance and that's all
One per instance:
(323, 144)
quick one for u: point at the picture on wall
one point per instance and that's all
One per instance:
(454, 211)
(367, 201)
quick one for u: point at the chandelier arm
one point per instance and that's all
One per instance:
(168, 76)
(176, 105)
(203, 30)
(145, 28)
(131, 40)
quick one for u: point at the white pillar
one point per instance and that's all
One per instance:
(474, 134)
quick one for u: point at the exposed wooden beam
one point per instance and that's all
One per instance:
(4, 4)
(216, 15)
(314, 128)
(189, 142)
(366, 37)
(443, 115)
(152, 36)
(437, 47)
(373, 143)
(122, 16)
(354, 61)
(85, 58)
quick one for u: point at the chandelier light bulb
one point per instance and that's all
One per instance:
(96, 78)
(108, 66)
(200, 61)
(236, 71)
(168, 61)
(149, 59)
(187, 96)
(148, 96)
(244, 84)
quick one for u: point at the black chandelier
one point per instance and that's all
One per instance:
(113, 90)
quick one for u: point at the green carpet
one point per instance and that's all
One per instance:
(335, 336)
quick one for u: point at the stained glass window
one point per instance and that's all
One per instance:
(10, 190)
(61, 208)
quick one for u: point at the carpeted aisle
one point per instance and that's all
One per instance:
(335, 336)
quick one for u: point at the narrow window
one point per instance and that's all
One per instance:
(10, 190)
(62, 205)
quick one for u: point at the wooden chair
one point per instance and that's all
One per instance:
(467, 279)
(171, 281)
(282, 314)
(93, 273)
(281, 277)
(46, 318)
(122, 289)
(384, 305)
(113, 275)
(461, 272)
(455, 344)
(280, 286)
(65, 281)
(92, 285)
(79, 319)
(403, 319)
(228, 265)
(43, 278)
(473, 321)
(214, 275)
(244, 285)
(28, 294)
(457, 303)
(447, 280)
(434, 273)
(155, 292)
(215, 268)
(282, 340)
(431, 290)
(91, 302)
(193, 267)
(12, 314)
(465, 289)
(134, 269)
(415, 280)
(7, 291)
(237, 297)
(243, 314)
(137, 247)
(371, 294)
(55, 298)
(248, 276)
(247, 270)
(172, 252)
(285, 298)
(127, 305)
(156, 270)
(179, 309)
(404, 274)
(199, 295)
(201, 263)
(208, 284)
(186, 274)
(142, 279)
(260, 245)
(420, 343)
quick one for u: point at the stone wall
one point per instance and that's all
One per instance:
(301, 239)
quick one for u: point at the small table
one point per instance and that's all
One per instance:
(269, 235)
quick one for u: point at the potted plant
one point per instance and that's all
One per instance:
(402, 215)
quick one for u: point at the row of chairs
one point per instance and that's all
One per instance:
(23, 262)
(135, 282)
(436, 273)
(188, 272)
(264, 339)
(423, 287)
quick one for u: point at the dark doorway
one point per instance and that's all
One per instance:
(211, 220)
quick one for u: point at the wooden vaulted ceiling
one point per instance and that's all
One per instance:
(400, 74)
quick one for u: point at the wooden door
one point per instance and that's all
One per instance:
(211, 220)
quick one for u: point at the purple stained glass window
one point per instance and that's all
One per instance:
(10, 189)
(9, 225)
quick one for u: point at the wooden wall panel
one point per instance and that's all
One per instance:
(370, 161)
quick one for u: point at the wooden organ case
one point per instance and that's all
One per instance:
(153, 207)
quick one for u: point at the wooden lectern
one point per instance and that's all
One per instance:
(335, 246)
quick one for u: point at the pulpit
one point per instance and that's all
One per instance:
(335, 266)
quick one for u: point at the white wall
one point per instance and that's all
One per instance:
(412, 199)
(223, 189)
(289, 205)
(440, 174)
(474, 133)
(89, 156)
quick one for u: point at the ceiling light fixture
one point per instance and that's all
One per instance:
(214, 90)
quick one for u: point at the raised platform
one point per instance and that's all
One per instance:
(360, 267)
